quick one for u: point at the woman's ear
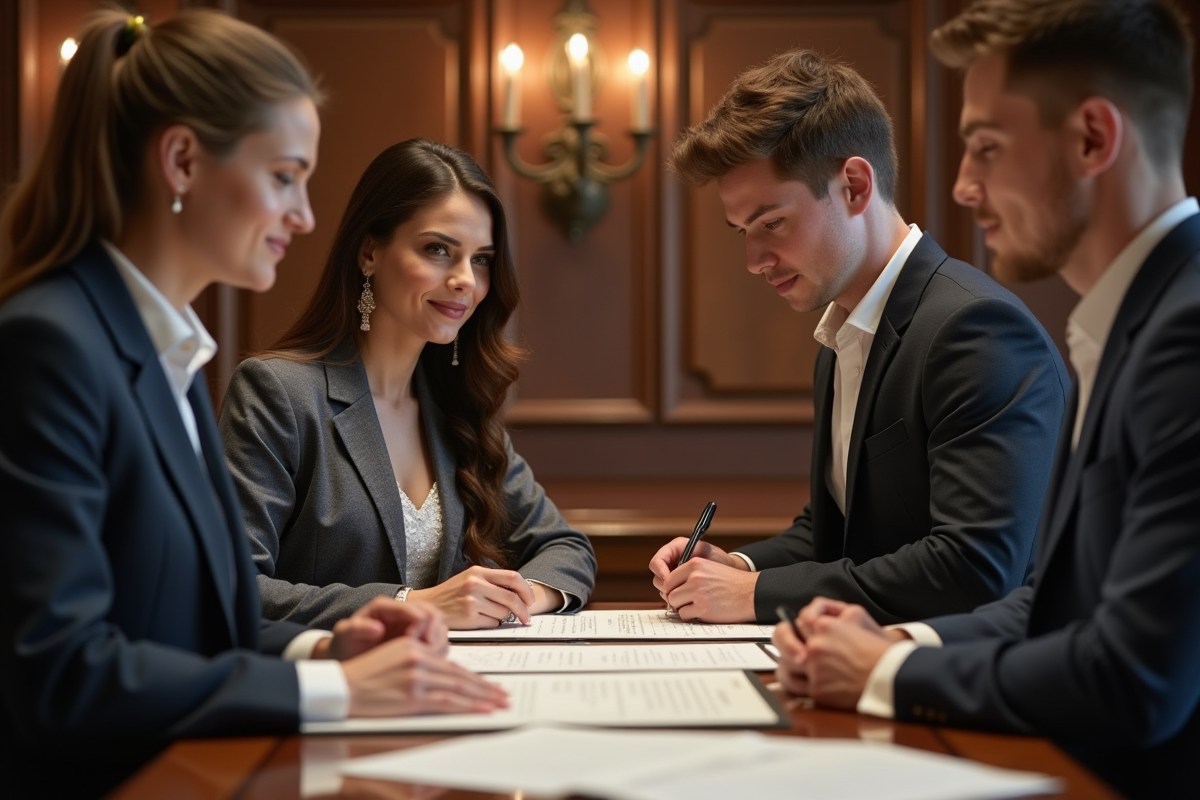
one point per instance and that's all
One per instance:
(178, 158)
(366, 256)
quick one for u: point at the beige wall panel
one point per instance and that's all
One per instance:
(741, 336)
(387, 80)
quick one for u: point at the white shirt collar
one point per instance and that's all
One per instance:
(866, 315)
(1095, 314)
(180, 340)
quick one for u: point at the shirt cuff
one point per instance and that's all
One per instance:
(567, 596)
(746, 558)
(921, 633)
(324, 692)
(304, 644)
(878, 697)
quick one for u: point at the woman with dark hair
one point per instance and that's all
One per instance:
(367, 445)
(176, 158)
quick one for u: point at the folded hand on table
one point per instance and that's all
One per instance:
(840, 647)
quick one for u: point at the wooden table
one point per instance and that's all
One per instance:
(274, 768)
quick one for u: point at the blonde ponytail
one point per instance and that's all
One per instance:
(217, 75)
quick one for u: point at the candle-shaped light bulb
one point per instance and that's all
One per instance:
(639, 62)
(69, 46)
(511, 58)
(577, 47)
(581, 83)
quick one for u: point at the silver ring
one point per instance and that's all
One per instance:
(511, 618)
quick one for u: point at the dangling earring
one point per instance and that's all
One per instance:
(454, 359)
(366, 304)
(177, 203)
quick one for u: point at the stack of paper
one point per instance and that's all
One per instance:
(588, 626)
(557, 762)
(610, 657)
(695, 698)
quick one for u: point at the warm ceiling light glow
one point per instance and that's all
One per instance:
(512, 58)
(577, 46)
(69, 46)
(639, 62)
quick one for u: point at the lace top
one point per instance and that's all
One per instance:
(423, 533)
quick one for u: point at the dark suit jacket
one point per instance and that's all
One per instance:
(949, 458)
(130, 615)
(1101, 651)
(321, 504)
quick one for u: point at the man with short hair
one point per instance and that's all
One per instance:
(1074, 118)
(937, 395)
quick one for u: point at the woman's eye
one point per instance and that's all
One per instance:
(482, 261)
(436, 249)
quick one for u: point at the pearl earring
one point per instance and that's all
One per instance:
(366, 304)
(177, 203)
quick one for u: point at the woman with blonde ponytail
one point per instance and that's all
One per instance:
(177, 157)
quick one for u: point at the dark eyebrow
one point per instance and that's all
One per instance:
(487, 248)
(758, 212)
(443, 237)
(974, 125)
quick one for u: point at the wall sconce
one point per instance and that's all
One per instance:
(574, 179)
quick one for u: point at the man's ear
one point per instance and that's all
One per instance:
(177, 160)
(366, 256)
(1097, 129)
(856, 182)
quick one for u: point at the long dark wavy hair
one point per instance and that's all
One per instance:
(401, 180)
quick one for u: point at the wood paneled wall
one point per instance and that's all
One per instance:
(653, 353)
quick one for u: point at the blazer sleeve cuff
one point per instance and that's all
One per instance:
(878, 697)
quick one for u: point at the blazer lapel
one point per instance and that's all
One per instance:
(247, 607)
(445, 466)
(358, 426)
(159, 408)
(1159, 268)
(902, 303)
(823, 507)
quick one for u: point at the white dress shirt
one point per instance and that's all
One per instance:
(184, 347)
(1087, 332)
(851, 335)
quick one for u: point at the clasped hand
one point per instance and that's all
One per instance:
(712, 586)
(394, 657)
(832, 655)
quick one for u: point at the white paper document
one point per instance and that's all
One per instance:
(610, 657)
(600, 625)
(556, 762)
(727, 698)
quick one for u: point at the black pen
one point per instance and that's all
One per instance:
(788, 618)
(701, 526)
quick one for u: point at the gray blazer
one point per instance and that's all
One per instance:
(321, 504)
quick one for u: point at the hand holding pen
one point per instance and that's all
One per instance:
(701, 528)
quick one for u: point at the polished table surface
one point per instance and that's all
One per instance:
(274, 768)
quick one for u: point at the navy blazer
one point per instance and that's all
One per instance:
(130, 612)
(1101, 650)
(949, 456)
